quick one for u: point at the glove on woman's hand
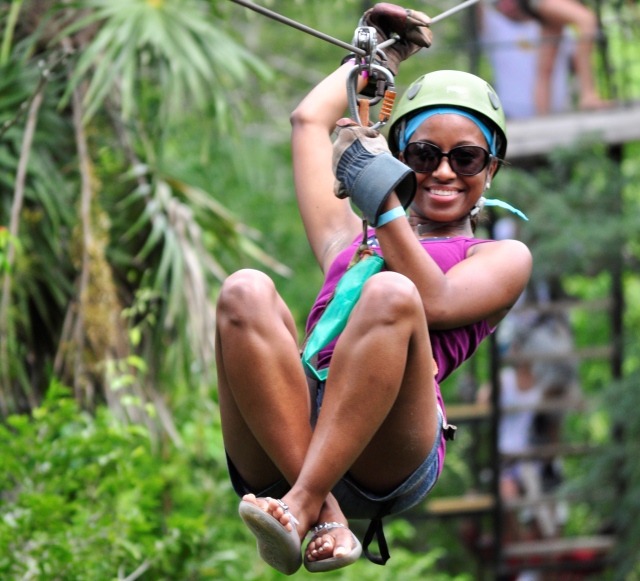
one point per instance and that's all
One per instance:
(366, 171)
(410, 25)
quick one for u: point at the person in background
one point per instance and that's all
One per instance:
(512, 47)
(538, 345)
(553, 16)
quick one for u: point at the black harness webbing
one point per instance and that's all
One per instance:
(376, 528)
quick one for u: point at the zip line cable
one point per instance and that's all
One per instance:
(453, 10)
(302, 27)
(340, 43)
(388, 93)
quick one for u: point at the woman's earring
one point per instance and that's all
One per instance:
(477, 208)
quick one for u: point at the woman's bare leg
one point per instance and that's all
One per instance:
(264, 401)
(379, 407)
(550, 38)
(558, 13)
(263, 395)
(379, 413)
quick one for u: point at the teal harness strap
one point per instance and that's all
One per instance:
(335, 316)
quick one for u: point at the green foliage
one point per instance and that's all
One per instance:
(85, 497)
(609, 480)
(6, 240)
(39, 269)
(576, 220)
(139, 69)
(174, 43)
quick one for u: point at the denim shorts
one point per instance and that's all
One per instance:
(356, 501)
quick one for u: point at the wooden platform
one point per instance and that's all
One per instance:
(468, 412)
(461, 505)
(563, 306)
(514, 504)
(549, 451)
(477, 502)
(595, 352)
(555, 547)
(539, 135)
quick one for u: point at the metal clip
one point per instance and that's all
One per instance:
(352, 91)
(366, 38)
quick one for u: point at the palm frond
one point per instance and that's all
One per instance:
(176, 45)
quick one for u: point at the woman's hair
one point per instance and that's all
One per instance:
(475, 220)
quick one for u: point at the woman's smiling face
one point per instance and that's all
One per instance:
(443, 195)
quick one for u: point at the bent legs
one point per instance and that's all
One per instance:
(263, 395)
(379, 414)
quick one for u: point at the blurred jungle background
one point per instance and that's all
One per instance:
(144, 155)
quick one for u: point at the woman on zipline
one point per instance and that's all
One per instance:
(377, 446)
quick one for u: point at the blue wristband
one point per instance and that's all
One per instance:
(392, 214)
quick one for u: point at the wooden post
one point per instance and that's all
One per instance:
(495, 364)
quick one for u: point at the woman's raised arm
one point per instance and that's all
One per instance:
(330, 223)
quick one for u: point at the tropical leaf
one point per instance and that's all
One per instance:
(176, 45)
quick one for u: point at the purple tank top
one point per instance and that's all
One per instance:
(451, 347)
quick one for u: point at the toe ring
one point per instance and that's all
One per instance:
(282, 504)
(328, 526)
(284, 507)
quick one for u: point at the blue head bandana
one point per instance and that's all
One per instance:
(416, 121)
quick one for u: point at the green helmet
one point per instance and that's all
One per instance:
(454, 89)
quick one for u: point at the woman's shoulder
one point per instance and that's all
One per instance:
(506, 247)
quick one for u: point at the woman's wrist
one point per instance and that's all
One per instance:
(390, 215)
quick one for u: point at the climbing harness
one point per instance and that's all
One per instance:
(363, 266)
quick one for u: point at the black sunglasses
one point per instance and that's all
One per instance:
(465, 160)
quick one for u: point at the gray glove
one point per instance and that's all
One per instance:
(366, 171)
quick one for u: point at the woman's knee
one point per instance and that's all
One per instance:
(587, 23)
(244, 294)
(390, 298)
(585, 20)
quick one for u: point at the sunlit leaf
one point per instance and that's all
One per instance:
(176, 44)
